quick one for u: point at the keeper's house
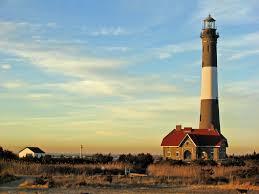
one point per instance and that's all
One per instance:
(193, 144)
(34, 152)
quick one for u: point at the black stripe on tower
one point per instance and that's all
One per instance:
(209, 115)
(209, 50)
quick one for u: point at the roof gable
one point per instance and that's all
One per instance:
(35, 150)
(185, 139)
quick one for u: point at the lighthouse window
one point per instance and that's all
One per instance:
(208, 48)
(200, 117)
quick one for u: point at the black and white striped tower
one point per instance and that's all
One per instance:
(209, 112)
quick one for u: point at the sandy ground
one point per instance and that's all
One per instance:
(14, 187)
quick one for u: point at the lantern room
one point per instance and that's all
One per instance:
(209, 23)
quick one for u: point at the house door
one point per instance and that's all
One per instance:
(187, 155)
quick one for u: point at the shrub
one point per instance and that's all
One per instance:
(100, 158)
(247, 173)
(205, 162)
(7, 155)
(233, 162)
(140, 162)
(175, 162)
(6, 177)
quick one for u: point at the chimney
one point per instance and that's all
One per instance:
(178, 127)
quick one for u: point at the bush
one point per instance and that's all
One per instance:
(96, 158)
(248, 173)
(6, 177)
(205, 162)
(233, 162)
(6, 154)
(222, 179)
(173, 162)
(140, 161)
(100, 158)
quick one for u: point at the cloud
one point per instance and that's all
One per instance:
(230, 12)
(10, 26)
(64, 60)
(6, 66)
(243, 40)
(169, 50)
(240, 46)
(243, 54)
(109, 31)
(51, 24)
(97, 85)
(125, 87)
(38, 96)
(13, 84)
(87, 87)
(117, 48)
(242, 88)
(109, 133)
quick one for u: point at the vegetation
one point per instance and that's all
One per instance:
(6, 154)
(6, 177)
(102, 169)
(140, 162)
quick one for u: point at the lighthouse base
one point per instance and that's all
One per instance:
(209, 117)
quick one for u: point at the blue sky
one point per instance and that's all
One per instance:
(117, 76)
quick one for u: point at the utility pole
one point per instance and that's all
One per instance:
(81, 151)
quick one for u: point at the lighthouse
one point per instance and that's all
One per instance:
(207, 142)
(209, 108)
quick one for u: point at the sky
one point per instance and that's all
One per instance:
(117, 76)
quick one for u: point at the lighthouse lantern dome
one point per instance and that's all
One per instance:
(209, 22)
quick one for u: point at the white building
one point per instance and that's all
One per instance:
(34, 152)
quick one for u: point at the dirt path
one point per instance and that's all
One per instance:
(15, 185)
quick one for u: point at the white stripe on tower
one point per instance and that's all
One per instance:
(209, 86)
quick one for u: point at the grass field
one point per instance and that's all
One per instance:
(29, 177)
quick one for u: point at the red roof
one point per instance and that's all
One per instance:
(201, 137)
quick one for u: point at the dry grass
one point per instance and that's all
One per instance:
(164, 174)
(173, 170)
(193, 174)
(191, 171)
(25, 168)
(221, 171)
(72, 181)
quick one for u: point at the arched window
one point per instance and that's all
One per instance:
(187, 155)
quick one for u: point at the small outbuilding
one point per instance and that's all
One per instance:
(34, 152)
